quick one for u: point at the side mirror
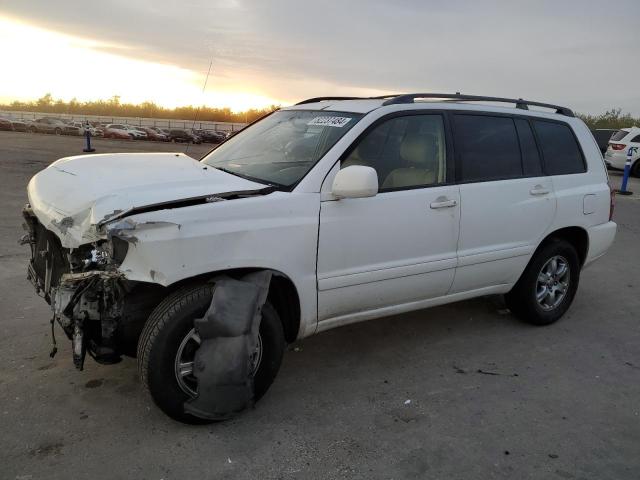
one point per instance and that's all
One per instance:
(356, 181)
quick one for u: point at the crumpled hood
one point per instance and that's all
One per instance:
(72, 195)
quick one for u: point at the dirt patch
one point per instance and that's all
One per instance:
(94, 383)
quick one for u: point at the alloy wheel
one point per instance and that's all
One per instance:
(553, 282)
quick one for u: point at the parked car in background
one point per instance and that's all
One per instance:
(95, 132)
(160, 130)
(49, 125)
(619, 144)
(210, 136)
(602, 136)
(74, 128)
(116, 130)
(136, 132)
(181, 135)
(99, 126)
(19, 125)
(152, 134)
(5, 124)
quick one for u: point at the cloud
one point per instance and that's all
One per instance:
(572, 52)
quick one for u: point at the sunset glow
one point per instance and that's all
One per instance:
(39, 61)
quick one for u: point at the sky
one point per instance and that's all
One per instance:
(582, 54)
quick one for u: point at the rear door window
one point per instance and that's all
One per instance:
(487, 148)
(636, 139)
(560, 149)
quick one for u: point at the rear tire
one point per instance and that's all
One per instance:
(169, 323)
(635, 169)
(542, 296)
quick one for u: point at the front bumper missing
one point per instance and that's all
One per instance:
(86, 304)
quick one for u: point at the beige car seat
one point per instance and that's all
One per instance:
(419, 151)
(355, 159)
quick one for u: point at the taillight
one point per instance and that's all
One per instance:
(617, 146)
(612, 201)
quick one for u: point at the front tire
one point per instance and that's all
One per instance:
(546, 289)
(163, 337)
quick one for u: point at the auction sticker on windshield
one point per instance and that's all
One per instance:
(330, 121)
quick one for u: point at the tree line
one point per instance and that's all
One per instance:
(113, 107)
(613, 118)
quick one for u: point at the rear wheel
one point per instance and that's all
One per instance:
(546, 289)
(168, 343)
(635, 169)
(57, 131)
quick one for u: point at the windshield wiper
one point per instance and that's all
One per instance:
(253, 179)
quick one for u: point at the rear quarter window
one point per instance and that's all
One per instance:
(560, 149)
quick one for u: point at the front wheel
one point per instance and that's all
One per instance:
(168, 343)
(546, 289)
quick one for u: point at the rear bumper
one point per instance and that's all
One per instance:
(617, 159)
(600, 240)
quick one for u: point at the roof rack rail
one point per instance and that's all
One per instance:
(519, 102)
(322, 99)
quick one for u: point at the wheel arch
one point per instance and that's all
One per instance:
(283, 295)
(144, 297)
(576, 236)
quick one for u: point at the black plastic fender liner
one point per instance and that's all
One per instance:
(229, 336)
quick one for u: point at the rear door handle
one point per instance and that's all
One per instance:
(539, 190)
(443, 202)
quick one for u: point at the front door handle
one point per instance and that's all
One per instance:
(443, 202)
(539, 190)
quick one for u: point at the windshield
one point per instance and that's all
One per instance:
(281, 148)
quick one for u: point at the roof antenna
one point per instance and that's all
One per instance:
(195, 117)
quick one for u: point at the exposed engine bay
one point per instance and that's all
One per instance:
(83, 287)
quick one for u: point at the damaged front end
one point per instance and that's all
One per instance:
(83, 287)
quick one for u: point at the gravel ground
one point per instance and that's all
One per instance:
(463, 391)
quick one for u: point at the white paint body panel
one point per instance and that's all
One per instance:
(502, 224)
(350, 259)
(390, 249)
(88, 188)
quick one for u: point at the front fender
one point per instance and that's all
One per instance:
(276, 232)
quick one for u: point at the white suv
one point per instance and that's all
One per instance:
(353, 208)
(619, 144)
